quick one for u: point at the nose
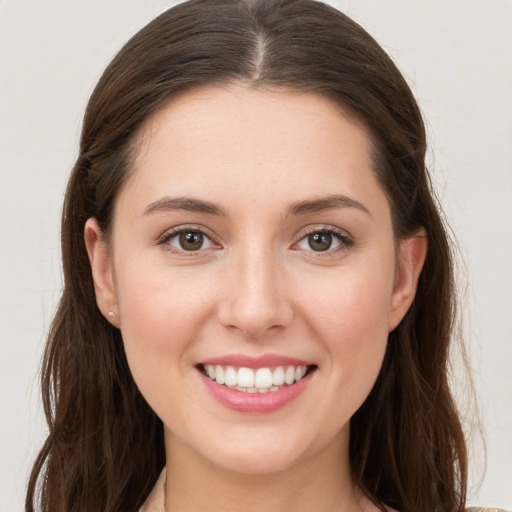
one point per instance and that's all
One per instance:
(256, 300)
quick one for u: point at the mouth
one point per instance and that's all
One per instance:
(267, 379)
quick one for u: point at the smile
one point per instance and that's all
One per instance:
(255, 380)
(257, 385)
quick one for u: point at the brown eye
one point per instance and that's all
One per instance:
(187, 240)
(320, 241)
(191, 240)
(328, 240)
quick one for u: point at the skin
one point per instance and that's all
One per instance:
(258, 287)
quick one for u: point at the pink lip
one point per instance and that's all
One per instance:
(264, 361)
(255, 402)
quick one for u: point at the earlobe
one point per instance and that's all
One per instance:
(411, 257)
(102, 272)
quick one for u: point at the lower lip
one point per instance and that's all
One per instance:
(255, 402)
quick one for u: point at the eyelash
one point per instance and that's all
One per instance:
(345, 241)
(169, 235)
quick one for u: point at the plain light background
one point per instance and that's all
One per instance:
(457, 56)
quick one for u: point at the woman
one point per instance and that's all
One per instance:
(258, 284)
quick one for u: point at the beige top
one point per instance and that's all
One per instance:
(156, 500)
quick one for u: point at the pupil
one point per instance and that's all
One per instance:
(320, 241)
(191, 241)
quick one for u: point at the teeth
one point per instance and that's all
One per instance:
(277, 376)
(289, 375)
(230, 376)
(245, 378)
(211, 371)
(261, 380)
(219, 374)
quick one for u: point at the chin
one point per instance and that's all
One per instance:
(258, 462)
(264, 451)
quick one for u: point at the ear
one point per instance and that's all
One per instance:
(102, 271)
(411, 257)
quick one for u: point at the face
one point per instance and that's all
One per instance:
(254, 275)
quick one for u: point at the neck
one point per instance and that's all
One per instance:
(321, 482)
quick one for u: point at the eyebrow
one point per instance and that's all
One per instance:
(299, 208)
(326, 203)
(185, 203)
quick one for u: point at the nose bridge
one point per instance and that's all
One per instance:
(257, 299)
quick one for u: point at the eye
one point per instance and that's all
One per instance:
(325, 240)
(188, 240)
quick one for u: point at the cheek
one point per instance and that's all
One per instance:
(352, 304)
(349, 316)
(162, 314)
(159, 307)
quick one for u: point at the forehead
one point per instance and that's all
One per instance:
(237, 141)
(204, 113)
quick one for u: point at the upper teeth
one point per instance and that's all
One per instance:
(258, 380)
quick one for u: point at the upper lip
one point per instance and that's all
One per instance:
(263, 361)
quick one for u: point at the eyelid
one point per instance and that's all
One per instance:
(345, 239)
(183, 228)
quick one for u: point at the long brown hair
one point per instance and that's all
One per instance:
(105, 445)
